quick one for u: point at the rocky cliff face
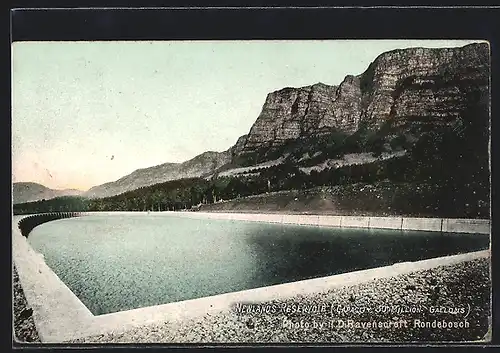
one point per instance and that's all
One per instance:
(405, 92)
(238, 146)
(400, 87)
(426, 84)
(292, 113)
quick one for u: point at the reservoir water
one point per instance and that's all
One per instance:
(120, 262)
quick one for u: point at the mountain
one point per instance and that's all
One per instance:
(403, 91)
(199, 166)
(406, 98)
(27, 192)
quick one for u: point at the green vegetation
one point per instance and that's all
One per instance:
(331, 145)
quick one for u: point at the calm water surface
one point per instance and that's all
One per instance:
(115, 263)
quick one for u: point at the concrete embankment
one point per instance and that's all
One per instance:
(27, 223)
(452, 225)
(56, 309)
(28, 314)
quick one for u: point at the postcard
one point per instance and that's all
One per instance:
(251, 191)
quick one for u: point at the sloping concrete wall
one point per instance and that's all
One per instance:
(428, 224)
(386, 222)
(481, 226)
(466, 226)
(28, 222)
(58, 313)
(355, 222)
(330, 221)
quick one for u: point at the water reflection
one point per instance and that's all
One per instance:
(300, 252)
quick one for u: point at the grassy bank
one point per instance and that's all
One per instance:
(463, 289)
(360, 199)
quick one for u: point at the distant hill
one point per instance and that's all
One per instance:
(27, 192)
(199, 166)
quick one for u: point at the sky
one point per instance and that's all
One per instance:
(86, 113)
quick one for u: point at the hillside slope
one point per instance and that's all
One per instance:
(200, 165)
(27, 191)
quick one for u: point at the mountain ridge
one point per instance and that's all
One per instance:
(424, 85)
(31, 191)
(402, 94)
(199, 166)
